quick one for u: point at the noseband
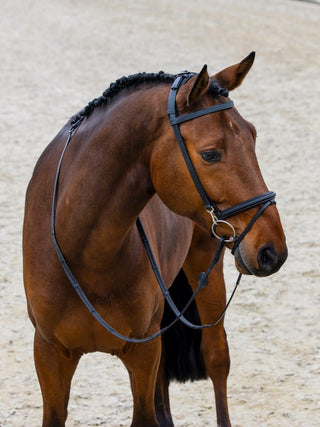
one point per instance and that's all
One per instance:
(218, 216)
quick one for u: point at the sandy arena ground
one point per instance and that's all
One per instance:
(55, 56)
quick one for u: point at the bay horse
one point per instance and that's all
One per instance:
(122, 161)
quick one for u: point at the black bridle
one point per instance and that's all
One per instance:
(216, 214)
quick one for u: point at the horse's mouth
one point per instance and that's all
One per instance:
(241, 265)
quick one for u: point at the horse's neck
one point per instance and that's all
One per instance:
(112, 168)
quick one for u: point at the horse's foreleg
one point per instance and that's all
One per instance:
(55, 368)
(142, 363)
(216, 356)
(210, 302)
(161, 400)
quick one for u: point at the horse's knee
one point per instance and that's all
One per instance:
(216, 355)
(218, 363)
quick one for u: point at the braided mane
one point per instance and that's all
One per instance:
(131, 82)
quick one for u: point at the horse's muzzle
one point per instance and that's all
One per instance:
(269, 261)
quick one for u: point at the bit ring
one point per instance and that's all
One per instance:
(221, 221)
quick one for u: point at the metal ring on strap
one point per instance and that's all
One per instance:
(229, 239)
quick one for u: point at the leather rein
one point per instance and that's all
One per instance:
(216, 214)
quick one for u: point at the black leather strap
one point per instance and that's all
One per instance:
(248, 204)
(190, 116)
(175, 121)
(249, 226)
(205, 198)
(203, 281)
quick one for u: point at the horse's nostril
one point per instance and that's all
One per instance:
(267, 258)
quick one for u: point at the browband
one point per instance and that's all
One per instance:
(213, 109)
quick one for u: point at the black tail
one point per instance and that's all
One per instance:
(181, 344)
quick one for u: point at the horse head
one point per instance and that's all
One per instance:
(221, 148)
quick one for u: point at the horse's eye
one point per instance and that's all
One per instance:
(211, 156)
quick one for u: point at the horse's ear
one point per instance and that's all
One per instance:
(200, 86)
(232, 77)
